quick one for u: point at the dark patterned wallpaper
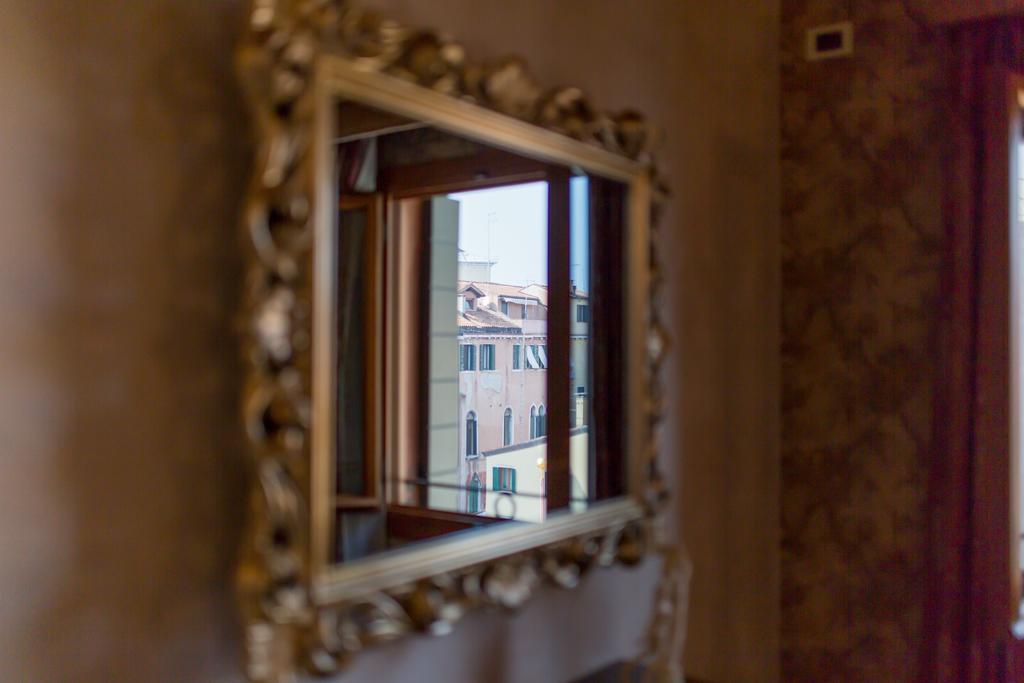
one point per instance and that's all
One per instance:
(861, 234)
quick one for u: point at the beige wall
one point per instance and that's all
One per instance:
(124, 157)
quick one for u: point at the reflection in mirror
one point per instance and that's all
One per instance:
(1016, 356)
(1016, 371)
(472, 285)
(487, 442)
(1016, 368)
(597, 218)
(580, 349)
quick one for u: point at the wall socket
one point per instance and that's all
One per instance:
(829, 42)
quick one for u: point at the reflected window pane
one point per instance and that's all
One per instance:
(580, 445)
(597, 308)
(488, 310)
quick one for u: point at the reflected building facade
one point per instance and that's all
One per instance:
(502, 339)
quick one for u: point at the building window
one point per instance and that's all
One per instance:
(471, 304)
(583, 314)
(471, 434)
(538, 422)
(536, 357)
(487, 356)
(503, 479)
(523, 305)
(504, 307)
(581, 391)
(467, 357)
(475, 504)
(517, 361)
(507, 427)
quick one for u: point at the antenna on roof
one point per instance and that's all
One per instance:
(492, 218)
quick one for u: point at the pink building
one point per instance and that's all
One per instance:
(502, 336)
(502, 381)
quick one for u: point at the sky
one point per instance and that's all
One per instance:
(508, 225)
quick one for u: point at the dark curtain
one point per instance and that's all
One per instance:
(957, 647)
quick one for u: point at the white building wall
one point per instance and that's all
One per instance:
(444, 463)
(530, 463)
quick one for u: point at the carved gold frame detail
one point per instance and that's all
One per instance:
(301, 615)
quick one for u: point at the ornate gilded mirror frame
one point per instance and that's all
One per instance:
(300, 612)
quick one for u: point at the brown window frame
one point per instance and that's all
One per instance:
(487, 170)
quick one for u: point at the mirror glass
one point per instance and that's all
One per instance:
(478, 307)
